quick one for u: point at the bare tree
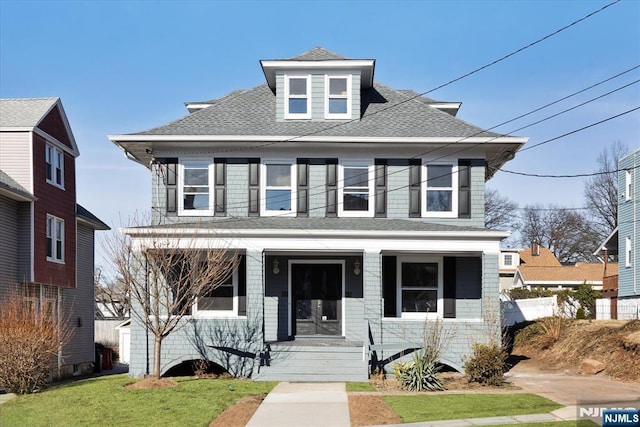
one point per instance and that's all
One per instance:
(601, 191)
(499, 211)
(111, 296)
(565, 232)
(165, 277)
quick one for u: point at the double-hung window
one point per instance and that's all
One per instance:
(440, 190)
(195, 187)
(278, 191)
(627, 186)
(54, 158)
(226, 299)
(337, 97)
(628, 252)
(419, 287)
(55, 239)
(297, 97)
(356, 189)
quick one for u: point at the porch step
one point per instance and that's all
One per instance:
(315, 361)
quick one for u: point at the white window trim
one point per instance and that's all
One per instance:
(54, 238)
(287, 114)
(56, 153)
(504, 260)
(263, 188)
(440, 303)
(628, 251)
(368, 163)
(211, 314)
(454, 190)
(180, 182)
(628, 186)
(348, 97)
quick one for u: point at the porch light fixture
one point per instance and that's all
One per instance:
(276, 266)
(356, 268)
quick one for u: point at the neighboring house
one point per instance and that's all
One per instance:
(540, 269)
(509, 262)
(358, 210)
(46, 238)
(624, 242)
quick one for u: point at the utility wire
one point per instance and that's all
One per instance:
(580, 175)
(579, 130)
(448, 83)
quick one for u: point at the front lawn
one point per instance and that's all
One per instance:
(105, 401)
(456, 406)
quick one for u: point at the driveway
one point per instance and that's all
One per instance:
(570, 389)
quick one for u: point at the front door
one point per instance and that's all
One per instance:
(317, 298)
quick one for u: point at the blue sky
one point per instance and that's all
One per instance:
(124, 66)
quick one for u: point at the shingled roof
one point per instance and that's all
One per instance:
(24, 112)
(12, 188)
(252, 112)
(318, 53)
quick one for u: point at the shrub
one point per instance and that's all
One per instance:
(486, 365)
(28, 343)
(420, 374)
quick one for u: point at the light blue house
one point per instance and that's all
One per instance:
(624, 240)
(359, 211)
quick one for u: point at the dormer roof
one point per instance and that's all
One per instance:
(319, 59)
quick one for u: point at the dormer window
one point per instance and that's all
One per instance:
(298, 97)
(338, 97)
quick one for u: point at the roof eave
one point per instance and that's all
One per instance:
(366, 67)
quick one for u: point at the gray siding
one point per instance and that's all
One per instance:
(25, 242)
(78, 303)
(397, 192)
(15, 157)
(372, 293)
(9, 237)
(317, 190)
(628, 228)
(237, 190)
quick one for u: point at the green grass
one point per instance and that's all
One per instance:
(360, 387)
(583, 423)
(104, 401)
(454, 406)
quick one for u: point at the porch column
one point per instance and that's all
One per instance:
(372, 291)
(255, 294)
(491, 294)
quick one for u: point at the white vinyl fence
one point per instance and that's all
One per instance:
(105, 331)
(522, 310)
(603, 309)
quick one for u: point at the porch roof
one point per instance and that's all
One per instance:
(321, 226)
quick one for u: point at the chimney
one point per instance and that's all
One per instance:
(535, 249)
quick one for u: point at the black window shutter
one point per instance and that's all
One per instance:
(332, 187)
(449, 289)
(254, 187)
(464, 188)
(242, 286)
(381, 188)
(220, 187)
(389, 291)
(303, 187)
(415, 188)
(170, 170)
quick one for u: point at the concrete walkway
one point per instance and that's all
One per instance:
(304, 404)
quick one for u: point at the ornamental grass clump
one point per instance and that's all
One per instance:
(419, 374)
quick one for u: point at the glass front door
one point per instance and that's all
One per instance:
(317, 298)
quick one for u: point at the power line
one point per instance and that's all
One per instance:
(580, 130)
(448, 83)
(580, 175)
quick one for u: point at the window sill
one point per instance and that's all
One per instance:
(214, 315)
(56, 261)
(61, 187)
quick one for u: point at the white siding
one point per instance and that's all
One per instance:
(15, 157)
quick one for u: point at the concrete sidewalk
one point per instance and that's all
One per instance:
(304, 404)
